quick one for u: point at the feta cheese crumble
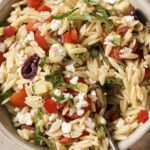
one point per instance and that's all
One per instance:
(57, 92)
(82, 102)
(89, 123)
(30, 37)
(66, 127)
(25, 119)
(53, 117)
(67, 95)
(93, 96)
(55, 24)
(74, 80)
(102, 120)
(110, 1)
(70, 68)
(126, 50)
(128, 19)
(108, 39)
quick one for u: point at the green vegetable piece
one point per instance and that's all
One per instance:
(100, 132)
(64, 15)
(38, 139)
(6, 94)
(50, 145)
(116, 39)
(42, 61)
(56, 78)
(115, 81)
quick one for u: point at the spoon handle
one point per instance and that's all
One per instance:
(111, 142)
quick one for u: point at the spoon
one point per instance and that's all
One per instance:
(103, 101)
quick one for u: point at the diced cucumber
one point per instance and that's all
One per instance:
(83, 88)
(116, 39)
(122, 6)
(1, 31)
(40, 87)
(69, 47)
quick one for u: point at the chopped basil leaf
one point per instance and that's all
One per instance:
(100, 132)
(64, 15)
(50, 145)
(115, 81)
(6, 94)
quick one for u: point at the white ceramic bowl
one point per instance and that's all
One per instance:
(5, 122)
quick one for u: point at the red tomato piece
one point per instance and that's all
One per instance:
(122, 29)
(147, 74)
(18, 98)
(1, 58)
(50, 106)
(72, 117)
(65, 140)
(89, 106)
(9, 31)
(31, 27)
(42, 42)
(2, 38)
(34, 3)
(43, 8)
(71, 36)
(115, 53)
(142, 116)
(60, 106)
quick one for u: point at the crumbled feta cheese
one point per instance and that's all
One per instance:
(80, 112)
(93, 95)
(25, 118)
(126, 50)
(120, 123)
(82, 102)
(30, 37)
(110, 1)
(70, 68)
(108, 39)
(57, 92)
(102, 120)
(67, 95)
(56, 53)
(53, 117)
(55, 24)
(129, 19)
(74, 80)
(89, 123)
(66, 127)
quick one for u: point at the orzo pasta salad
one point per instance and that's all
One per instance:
(53, 56)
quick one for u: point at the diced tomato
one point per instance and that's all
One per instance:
(147, 74)
(114, 116)
(65, 140)
(1, 58)
(122, 29)
(9, 31)
(46, 96)
(142, 116)
(31, 27)
(71, 36)
(34, 3)
(115, 53)
(89, 106)
(43, 8)
(18, 98)
(50, 106)
(42, 42)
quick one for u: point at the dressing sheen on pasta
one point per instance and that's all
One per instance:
(53, 55)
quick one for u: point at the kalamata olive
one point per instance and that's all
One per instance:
(138, 15)
(29, 68)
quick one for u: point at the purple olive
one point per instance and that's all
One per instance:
(138, 15)
(29, 68)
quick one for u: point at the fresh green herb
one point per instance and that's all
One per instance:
(38, 139)
(100, 132)
(42, 61)
(56, 78)
(4, 23)
(98, 48)
(50, 145)
(115, 81)
(64, 15)
(6, 94)
(85, 16)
